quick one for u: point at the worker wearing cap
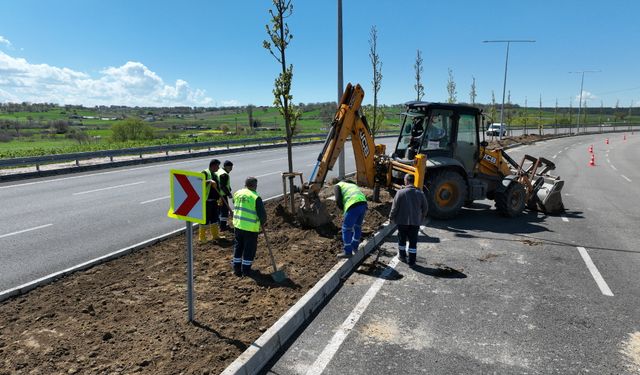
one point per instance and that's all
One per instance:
(249, 216)
(353, 203)
(212, 196)
(225, 193)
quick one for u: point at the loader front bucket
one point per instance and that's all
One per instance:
(545, 189)
(550, 195)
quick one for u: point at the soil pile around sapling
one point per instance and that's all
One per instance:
(129, 315)
(507, 141)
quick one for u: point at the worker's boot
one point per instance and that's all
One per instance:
(412, 257)
(202, 233)
(402, 255)
(215, 231)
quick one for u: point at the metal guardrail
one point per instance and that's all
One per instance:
(45, 159)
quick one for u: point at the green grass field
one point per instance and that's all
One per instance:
(36, 139)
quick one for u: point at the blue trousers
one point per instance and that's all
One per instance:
(352, 227)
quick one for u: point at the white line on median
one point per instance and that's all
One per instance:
(330, 350)
(25, 230)
(565, 219)
(604, 288)
(625, 177)
(157, 199)
(110, 187)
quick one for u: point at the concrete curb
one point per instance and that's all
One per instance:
(24, 288)
(266, 346)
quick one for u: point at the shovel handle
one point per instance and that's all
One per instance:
(273, 260)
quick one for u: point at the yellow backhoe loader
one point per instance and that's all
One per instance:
(440, 144)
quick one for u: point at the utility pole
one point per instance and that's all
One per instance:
(340, 84)
(504, 85)
(581, 85)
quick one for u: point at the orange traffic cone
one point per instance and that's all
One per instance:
(606, 141)
(591, 149)
(592, 162)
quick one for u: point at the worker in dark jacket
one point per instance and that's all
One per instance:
(353, 203)
(408, 210)
(249, 216)
(212, 196)
(225, 193)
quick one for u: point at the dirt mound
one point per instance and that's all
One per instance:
(523, 139)
(129, 315)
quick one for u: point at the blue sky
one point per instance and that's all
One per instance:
(210, 52)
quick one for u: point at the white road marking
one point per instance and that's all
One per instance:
(625, 177)
(25, 230)
(614, 167)
(566, 148)
(345, 328)
(157, 199)
(310, 165)
(267, 174)
(270, 160)
(555, 156)
(560, 152)
(604, 288)
(608, 161)
(109, 188)
(565, 219)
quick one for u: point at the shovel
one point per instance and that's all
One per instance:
(278, 275)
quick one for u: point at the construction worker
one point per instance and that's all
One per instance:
(249, 216)
(213, 195)
(353, 203)
(225, 193)
(408, 210)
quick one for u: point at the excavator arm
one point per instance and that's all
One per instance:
(348, 122)
(373, 167)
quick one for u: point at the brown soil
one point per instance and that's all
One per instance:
(129, 315)
(507, 141)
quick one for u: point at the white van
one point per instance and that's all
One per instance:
(497, 129)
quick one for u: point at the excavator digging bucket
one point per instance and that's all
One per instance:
(550, 195)
(313, 213)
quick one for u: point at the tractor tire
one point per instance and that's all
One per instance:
(511, 202)
(446, 193)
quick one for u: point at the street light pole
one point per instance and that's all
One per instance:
(340, 83)
(504, 84)
(581, 86)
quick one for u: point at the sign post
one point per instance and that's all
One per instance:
(187, 203)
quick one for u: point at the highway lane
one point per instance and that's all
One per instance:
(526, 298)
(51, 224)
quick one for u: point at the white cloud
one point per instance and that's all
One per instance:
(586, 95)
(131, 84)
(5, 41)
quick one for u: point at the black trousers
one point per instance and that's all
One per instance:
(408, 232)
(224, 213)
(244, 249)
(212, 212)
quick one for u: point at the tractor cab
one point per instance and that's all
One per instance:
(440, 131)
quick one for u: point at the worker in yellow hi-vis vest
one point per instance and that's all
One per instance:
(213, 195)
(353, 203)
(249, 216)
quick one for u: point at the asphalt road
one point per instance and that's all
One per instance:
(51, 224)
(532, 295)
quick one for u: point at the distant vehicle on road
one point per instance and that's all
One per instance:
(497, 129)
